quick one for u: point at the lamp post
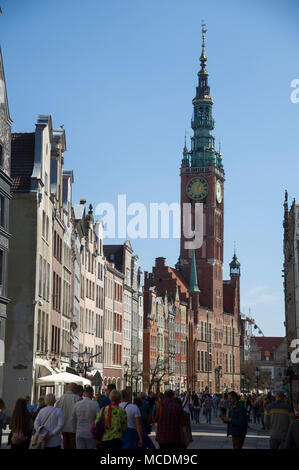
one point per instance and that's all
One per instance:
(242, 383)
(86, 357)
(257, 375)
(126, 374)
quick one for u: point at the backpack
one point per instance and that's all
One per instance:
(17, 437)
(38, 439)
(98, 427)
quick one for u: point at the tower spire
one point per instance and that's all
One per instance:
(193, 277)
(203, 58)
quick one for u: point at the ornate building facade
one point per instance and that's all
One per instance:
(291, 284)
(5, 187)
(208, 306)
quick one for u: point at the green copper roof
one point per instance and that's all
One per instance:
(203, 152)
(193, 277)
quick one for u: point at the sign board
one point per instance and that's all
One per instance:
(97, 379)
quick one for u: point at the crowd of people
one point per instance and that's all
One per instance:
(115, 420)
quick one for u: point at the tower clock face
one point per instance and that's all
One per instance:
(219, 192)
(197, 188)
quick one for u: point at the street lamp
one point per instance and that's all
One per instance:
(86, 356)
(126, 373)
(257, 375)
(242, 382)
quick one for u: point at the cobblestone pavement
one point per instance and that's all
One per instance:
(211, 436)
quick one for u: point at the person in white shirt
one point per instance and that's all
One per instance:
(66, 403)
(84, 415)
(53, 420)
(132, 437)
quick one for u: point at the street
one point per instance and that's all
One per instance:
(213, 436)
(210, 436)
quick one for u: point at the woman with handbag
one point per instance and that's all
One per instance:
(21, 426)
(110, 424)
(49, 423)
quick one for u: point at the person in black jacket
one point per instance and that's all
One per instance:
(236, 421)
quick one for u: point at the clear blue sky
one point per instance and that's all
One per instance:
(120, 76)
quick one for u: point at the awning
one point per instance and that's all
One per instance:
(44, 363)
(64, 377)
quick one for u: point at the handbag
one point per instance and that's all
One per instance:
(98, 428)
(38, 439)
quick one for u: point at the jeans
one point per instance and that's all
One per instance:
(85, 443)
(215, 411)
(196, 414)
(208, 415)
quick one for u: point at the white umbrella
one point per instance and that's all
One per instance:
(64, 377)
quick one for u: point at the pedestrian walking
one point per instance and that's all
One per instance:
(223, 405)
(21, 426)
(66, 403)
(41, 404)
(185, 437)
(114, 423)
(255, 408)
(105, 401)
(216, 401)
(186, 403)
(278, 418)
(80, 391)
(52, 419)
(236, 420)
(84, 415)
(196, 408)
(31, 408)
(208, 407)
(132, 437)
(146, 415)
(170, 424)
(3, 419)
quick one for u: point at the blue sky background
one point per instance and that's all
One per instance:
(121, 75)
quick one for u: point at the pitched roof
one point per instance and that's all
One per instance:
(22, 160)
(268, 344)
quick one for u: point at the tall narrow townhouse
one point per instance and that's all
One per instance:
(67, 181)
(75, 291)
(88, 290)
(58, 229)
(113, 325)
(140, 326)
(99, 329)
(5, 196)
(28, 340)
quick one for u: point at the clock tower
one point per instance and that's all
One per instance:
(202, 181)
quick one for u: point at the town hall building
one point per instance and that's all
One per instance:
(196, 286)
